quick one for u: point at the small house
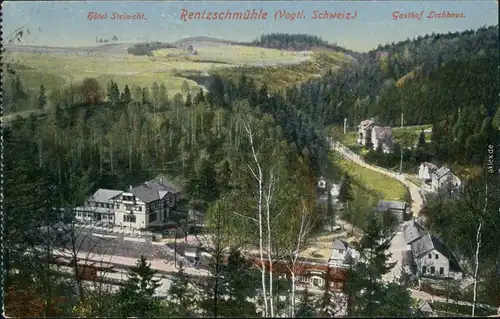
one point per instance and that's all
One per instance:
(400, 209)
(444, 180)
(341, 254)
(426, 170)
(380, 136)
(434, 259)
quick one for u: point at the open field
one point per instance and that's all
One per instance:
(55, 67)
(235, 55)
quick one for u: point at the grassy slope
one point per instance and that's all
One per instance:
(278, 77)
(389, 188)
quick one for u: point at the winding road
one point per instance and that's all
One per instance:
(398, 244)
(416, 197)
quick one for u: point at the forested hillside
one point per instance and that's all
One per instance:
(420, 78)
(295, 42)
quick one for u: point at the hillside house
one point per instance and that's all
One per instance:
(341, 254)
(433, 259)
(426, 170)
(149, 204)
(364, 128)
(444, 180)
(380, 136)
(401, 210)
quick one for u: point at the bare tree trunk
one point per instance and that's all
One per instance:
(294, 256)
(478, 242)
(259, 176)
(111, 156)
(269, 248)
(129, 154)
(40, 157)
(478, 246)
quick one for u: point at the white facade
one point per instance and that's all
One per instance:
(147, 205)
(425, 171)
(341, 254)
(446, 182)
(434, 264)
(130, 212)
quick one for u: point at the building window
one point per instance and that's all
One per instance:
(152, 217)
(129, 218)
(140, 208)
(424, 269)
(341, 251)
(433, 269)
(430, 256)
(441, 270)
(315, 281)
(437, 256)
(128, 207)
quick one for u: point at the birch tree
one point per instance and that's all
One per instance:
(478, 246)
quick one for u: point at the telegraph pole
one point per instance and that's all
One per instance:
(345, 125)
(402, 119)
(401, 161)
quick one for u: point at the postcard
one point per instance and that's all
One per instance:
(245, 159)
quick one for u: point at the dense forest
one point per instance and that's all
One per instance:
(419, 78)
(296, 42)
(214, 143)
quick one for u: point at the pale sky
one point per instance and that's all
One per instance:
(65, 23)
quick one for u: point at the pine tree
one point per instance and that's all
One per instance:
(421, 139)
(42, 98)
(199, 98)
(345, 192)
(240, 283)
(182, 301)
(188, 102)
(126, 96)
(136, 296)
(306, 306)
(113, 93)
(368, 295)
(330, 213)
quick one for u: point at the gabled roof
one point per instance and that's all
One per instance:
(152, 191)
(430, 166)
(340, 244)
(413, 231)
(382, 132)
(383, 205)
(428, 243)
(365, 124)
(441, 172)
(103, 195)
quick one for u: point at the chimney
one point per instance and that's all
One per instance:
(129, 186)
(161, 181)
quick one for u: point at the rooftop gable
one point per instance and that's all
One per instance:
(413, 232)
(340, 244)
(152, 191)
(103, 195)
(441, 172)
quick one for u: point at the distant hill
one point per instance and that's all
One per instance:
(202, 40)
